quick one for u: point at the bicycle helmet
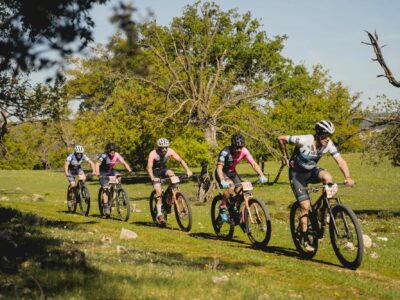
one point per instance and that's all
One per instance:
(324, 127)
(162, 142)
(79, 149)
(237, 140)
(111, 147)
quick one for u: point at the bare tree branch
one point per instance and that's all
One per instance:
(379, 57)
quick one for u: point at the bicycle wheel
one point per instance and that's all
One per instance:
(183, 212)
(71, 200)
(346, 236)
(123, 205)
(299, 239)
(100, 202)
(258, 223)
(222, 229)
(84, 200)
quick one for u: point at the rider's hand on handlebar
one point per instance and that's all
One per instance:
(132, 173)
(156, 179)
(189, 174)
(263, 179)
(94, 173)
(349, 182)
(224, 184)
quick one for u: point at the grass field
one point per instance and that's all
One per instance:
(46, 252)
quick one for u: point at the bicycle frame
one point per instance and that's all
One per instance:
(238, 206)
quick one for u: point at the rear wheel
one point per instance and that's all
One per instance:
(71, 200)
(346, 236)
(258, 223)
(222, 229)
(298, 237)
(183, 212)
(84, 200)
(123, 205)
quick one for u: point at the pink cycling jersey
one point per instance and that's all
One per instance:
(108, 162)
(229, 158)
(159, 162)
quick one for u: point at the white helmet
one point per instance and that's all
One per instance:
(162, 142)
(79, 149)
(324, 127)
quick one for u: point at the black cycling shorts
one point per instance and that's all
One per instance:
(300, 179)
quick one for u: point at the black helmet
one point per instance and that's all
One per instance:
(111, 147)
(324, 127)
(237, 140)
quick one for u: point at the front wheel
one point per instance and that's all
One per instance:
(100, 202)
(123, 205)
(84, 200)
(183, 212)
(71, 200)
(346, 236)
(223, 229)
(300, 239)
(258, 223)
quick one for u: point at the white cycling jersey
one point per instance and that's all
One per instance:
(306, 156)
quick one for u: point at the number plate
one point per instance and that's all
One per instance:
(112, 179)
(81, 177)
(247, 186)
(174, 179)
(331, 190)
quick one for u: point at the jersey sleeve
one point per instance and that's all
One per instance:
(85, 158)
(118, 158)
(222, 156)
(248, 156)
(297, 140)
(333, 149)
(174, 155)
(102, 157)
(69, 158)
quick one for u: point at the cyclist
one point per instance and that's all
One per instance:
(105, 167)
(157, 169)
(226, 173)
(303, 166)
(72, 167)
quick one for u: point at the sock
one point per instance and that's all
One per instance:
(158, 210)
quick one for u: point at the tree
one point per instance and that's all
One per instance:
(386, 115)
(30, 30)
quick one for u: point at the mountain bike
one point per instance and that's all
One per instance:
(79, 196)
(245, 210)
(117, 198)
(182, 209)
(344, 228)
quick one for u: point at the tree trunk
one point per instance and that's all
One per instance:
(206, 183)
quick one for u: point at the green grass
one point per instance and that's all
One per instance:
(62, 257)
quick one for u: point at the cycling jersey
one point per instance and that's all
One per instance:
(108, 162)
(159, 162)
(229, 158)
(74, 163)
(306, 156)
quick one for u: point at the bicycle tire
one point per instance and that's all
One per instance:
(296, 232)
(84, 200)
(223, 230)
(344, 218)
(71, 196)
(100, 202)
(263, 225)
(184, 213)
(123, 205)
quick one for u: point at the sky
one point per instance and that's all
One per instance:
(326, 32)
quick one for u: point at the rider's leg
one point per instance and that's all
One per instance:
(325, 177)
(170, 173)
(304, 209)
(158, 190)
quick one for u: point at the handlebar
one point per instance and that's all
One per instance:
(315, 189)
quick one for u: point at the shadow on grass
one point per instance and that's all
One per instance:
(209, 236)
(378, 213)
(152, 224)
(34, 265)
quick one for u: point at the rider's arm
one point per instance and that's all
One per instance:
(220, 172)
(283, 140)
(150, 168)
(253, 163)
(97, 167)
(257, 168)
(344, 168)
(185, 166)
(92, 165)
(66, 168)
(122, 160)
